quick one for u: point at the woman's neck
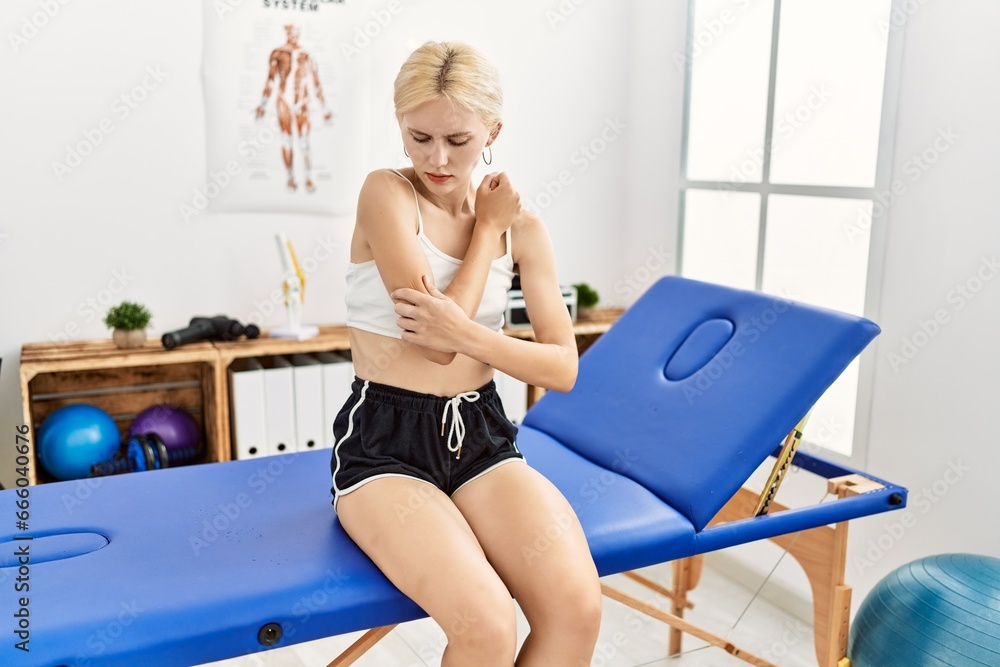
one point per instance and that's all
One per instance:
(458, 202)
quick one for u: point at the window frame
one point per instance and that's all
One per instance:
(883, 181)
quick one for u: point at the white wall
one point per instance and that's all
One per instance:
(659, 33)
(111, 230)
(933, 423)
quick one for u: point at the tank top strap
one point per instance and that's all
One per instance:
(507, 236)
(416, 202)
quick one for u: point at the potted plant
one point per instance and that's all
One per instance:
(586, 299)
(129, 321)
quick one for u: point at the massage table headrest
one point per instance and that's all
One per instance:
(700, 383)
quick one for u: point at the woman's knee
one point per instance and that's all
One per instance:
(590, 609)
(576, 611)
(583, 605)
(482, 621)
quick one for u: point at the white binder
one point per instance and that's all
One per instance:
(513, 394)
(338, 375)
(246, 408)
(279, 399)
(308, 379)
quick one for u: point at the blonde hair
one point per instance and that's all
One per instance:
(452, 70)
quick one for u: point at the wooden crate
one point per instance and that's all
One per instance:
(122, 383)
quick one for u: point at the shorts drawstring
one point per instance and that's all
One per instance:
(457, 424)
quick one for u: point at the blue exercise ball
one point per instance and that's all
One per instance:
(939, 610)
(75, 437)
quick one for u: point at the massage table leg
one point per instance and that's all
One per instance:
(683, 626)
(361, 646)
(686, 573)
(822, 553)
(681, 584)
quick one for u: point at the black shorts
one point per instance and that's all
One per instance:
(384, 431)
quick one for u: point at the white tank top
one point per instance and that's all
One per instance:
(370, 308)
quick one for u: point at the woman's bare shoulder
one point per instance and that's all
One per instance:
(382, 187)
(384, 180)
(528, 223)
(385, 197)
(530, 241)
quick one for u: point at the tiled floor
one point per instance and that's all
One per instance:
(627, 638)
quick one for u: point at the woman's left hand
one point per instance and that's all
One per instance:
(430, 320)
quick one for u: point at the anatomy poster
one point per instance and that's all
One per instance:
(284, 118)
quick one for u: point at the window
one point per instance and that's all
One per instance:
(788, 118)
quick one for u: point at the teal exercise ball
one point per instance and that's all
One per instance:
(75, 437)
(936, 611)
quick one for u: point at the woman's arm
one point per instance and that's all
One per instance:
(431, 319)
(497, 205)
(385, 223)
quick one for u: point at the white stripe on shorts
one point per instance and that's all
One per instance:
(350, 429)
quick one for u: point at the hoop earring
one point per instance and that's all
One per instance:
(490, 161)
(404, 152)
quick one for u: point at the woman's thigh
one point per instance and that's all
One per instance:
(417, 537)
(533, 539)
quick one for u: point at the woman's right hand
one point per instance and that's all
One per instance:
(497, 203)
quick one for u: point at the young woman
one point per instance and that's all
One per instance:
(427, 477)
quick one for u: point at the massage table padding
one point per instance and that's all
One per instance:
(185, 566)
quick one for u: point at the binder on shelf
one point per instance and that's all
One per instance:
(279, 399)
(246, 407)
(308, 380)
(513, 394)
(338, 374)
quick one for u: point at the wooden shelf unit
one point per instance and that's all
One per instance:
(120, 382)
(194, 377)
(332, 338)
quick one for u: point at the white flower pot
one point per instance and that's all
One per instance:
(128, 338)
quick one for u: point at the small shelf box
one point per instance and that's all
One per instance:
(123, 383)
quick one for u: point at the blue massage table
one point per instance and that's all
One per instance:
(674, 409)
